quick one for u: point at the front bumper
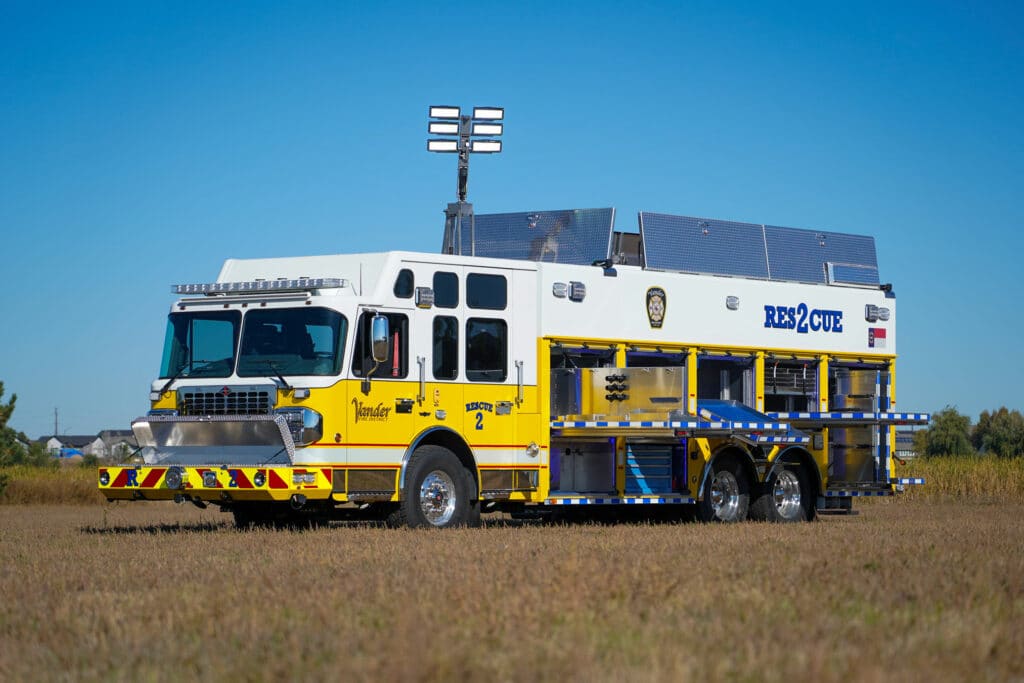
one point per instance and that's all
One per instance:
(217, 484)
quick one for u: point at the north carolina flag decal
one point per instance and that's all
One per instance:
(876, 337)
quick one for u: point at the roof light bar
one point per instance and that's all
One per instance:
(256, 286)
(485, 146)
(445, 112)
(488, 113)
(442, 145)
(487, 128)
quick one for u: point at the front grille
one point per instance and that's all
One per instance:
(222, 402)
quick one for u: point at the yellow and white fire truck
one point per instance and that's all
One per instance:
(731, 370)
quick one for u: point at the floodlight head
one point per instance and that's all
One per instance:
(444, 112)
(485, 146)
(442, 145)
(443, 128)
(488, 113)
(487, 128)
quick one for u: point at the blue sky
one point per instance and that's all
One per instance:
(143, 143)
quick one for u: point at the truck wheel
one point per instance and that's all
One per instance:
(785, 497)
(438, 492)
(726, 492)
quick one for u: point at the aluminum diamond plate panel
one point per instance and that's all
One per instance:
(577, 236)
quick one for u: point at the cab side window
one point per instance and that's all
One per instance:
(486, 291)
(397, 364)
(486, 350)
(446, 347)
(404, 284)
(446, 290)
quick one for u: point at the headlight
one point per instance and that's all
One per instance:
(175, 477)
(104, 478)
(210, 479)
(305, 424)
(259, 479)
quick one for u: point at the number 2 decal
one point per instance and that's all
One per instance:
(480, 420)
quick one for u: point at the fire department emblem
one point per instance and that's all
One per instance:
(656, 302)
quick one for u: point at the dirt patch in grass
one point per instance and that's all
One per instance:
(908, 589)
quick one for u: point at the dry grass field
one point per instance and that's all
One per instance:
(925, 589)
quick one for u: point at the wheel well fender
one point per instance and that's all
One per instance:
(746, 460)
(446, 438)
(795, 455)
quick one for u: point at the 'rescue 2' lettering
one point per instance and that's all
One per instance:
(802, 319)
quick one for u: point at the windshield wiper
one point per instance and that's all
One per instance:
(190, 367)
(275, 372)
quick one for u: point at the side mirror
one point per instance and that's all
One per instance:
(380, 336)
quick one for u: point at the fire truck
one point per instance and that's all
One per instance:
(727, 370)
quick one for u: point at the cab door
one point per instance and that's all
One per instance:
(380, 415)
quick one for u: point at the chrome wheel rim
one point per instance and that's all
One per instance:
(725, 496)
(786, 493)
(437, 498)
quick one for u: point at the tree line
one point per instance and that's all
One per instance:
(999, 433)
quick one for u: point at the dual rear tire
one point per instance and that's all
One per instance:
(731, 496)
(786, 497)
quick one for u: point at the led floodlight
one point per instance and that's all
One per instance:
(486, 128)
(488, 113)
(443, 128)
(485, 146)
(445, 112)
(443, 145)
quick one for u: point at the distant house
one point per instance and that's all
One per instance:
(905, 444)
(109, 442)
(70, 445)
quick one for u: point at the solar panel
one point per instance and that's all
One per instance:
(578, 236)
(802, 255)
(703, 245)
(715, 247)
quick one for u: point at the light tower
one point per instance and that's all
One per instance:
(465, 135)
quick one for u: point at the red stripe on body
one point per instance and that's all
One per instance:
(276, 482)
(153, 477)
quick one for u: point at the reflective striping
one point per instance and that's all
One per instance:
(783, 439)
(153, 478)
(911, 481)
(634, 500)
(275, 480)
(854, 494)
(880, 417)
(669, 424)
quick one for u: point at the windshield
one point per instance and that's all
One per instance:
(292, 341)
(200, 344)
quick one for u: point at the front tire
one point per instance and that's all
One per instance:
(726, 491)
(438, 492)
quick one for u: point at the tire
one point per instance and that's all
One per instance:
(438, 492)
(726, 491)
(785, 498)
